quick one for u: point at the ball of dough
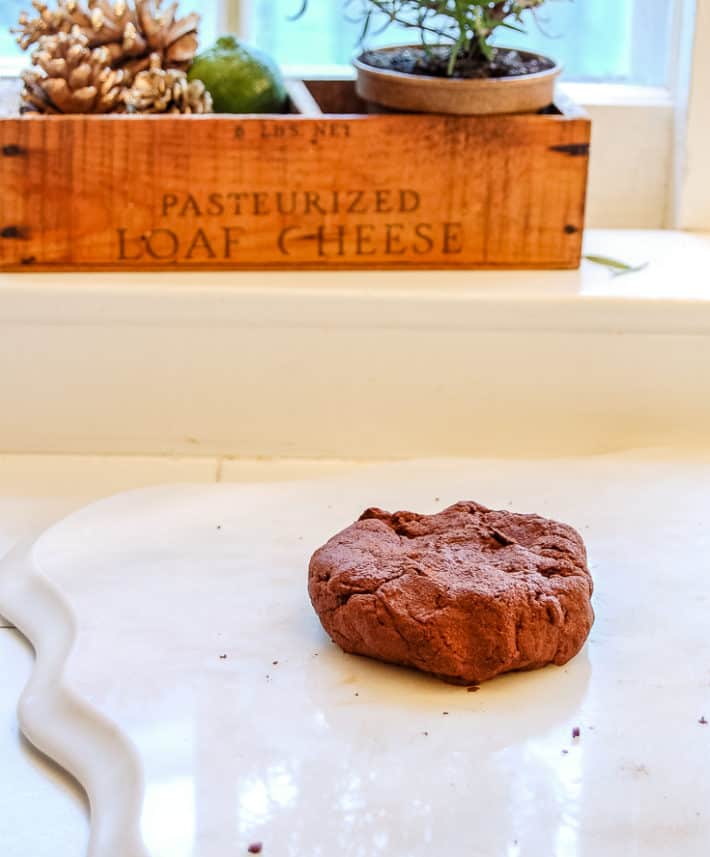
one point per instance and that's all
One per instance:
(465, 594)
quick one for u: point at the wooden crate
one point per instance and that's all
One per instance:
(328, 186)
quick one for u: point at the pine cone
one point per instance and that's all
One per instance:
(159, 90)
(130, 32)
(101, 21)
(173, 39)
(72, 77)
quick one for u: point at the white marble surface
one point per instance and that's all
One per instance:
(43, 811)
(324, 753)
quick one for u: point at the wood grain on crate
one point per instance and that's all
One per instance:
(346, 190)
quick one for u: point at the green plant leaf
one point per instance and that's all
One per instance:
(300, 13)
(616, 267)
(365, 26)
(505, 25)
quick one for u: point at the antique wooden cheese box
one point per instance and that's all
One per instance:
(328, 186)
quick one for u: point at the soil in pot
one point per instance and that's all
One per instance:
(434, 62)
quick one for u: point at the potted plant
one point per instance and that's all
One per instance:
(454, 68)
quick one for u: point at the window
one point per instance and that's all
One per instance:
(631, 63)
(624, 41)
(9, 13)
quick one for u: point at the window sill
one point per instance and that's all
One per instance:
(362, 365)
(670, 294)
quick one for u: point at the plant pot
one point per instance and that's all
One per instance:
(419, 93)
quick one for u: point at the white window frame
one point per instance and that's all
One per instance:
(691, 178)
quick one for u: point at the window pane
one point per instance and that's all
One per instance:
(209, 25)
(613, 40)
(9, 13)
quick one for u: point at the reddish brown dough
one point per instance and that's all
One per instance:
(465, 594)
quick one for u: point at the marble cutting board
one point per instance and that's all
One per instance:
(182, 676)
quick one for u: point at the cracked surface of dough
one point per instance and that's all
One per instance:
(465, 594)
